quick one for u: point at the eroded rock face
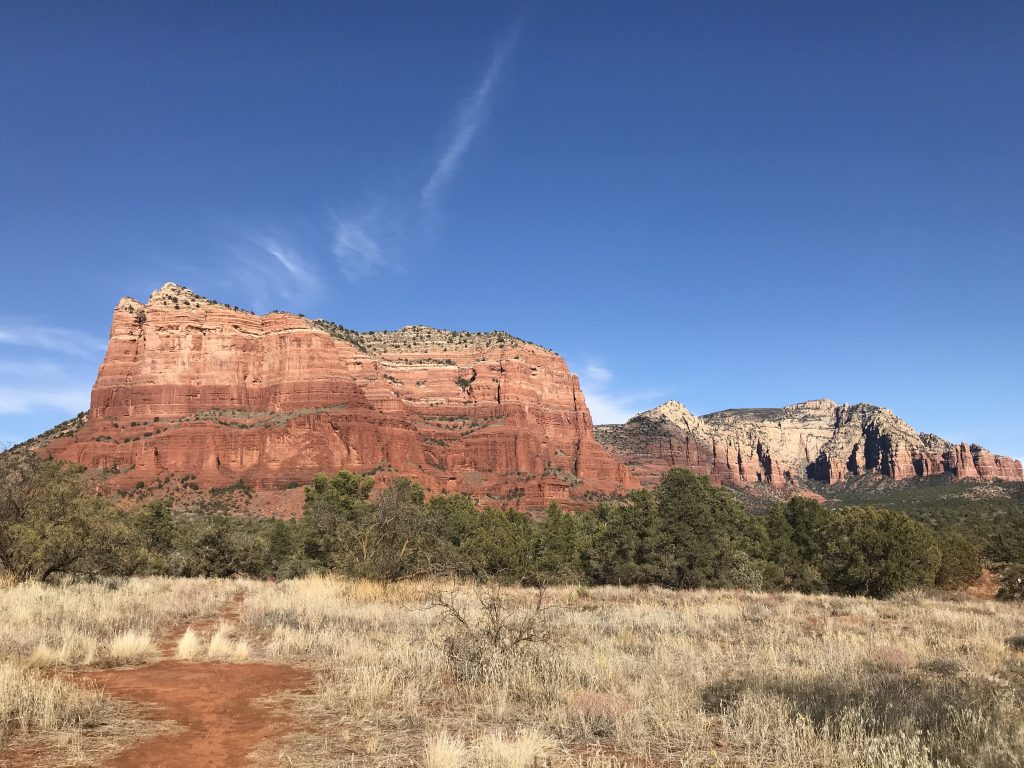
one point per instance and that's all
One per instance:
(783, 447)
(193, 387)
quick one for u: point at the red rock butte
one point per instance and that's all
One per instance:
(193, 387)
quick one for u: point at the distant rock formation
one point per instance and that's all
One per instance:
(784, 447)
(191, 387)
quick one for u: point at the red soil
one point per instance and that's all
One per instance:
(217, 707)
(216, 703)
(986, 587)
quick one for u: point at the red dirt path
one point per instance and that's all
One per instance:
(216, 703)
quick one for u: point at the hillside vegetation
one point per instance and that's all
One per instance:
(685, 534)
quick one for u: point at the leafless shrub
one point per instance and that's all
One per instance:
(490, 628)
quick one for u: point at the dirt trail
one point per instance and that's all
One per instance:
(216, 704)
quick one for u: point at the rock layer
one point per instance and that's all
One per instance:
(818, 440)
(193, 387)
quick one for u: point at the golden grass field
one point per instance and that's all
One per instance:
(611, 676)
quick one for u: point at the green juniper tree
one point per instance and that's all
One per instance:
(960, 561)
(878, 552)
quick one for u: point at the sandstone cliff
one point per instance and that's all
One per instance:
(191, 387)
(782, 448)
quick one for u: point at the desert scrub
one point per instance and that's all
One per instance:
(645, 677)
(72, 625)
(33, 703)
(614, 677)
(491, 631)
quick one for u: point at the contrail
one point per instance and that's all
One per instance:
(470, 117)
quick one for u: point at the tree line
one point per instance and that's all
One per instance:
(684, 534)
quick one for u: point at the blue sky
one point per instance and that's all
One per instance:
(726, 203)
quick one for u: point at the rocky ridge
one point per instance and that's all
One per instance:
(214, 394)
(783, 448)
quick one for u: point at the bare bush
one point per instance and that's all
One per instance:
(489, 627)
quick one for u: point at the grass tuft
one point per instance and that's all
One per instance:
(445, 750)
(223, 647)
(496, 750)
(188, 645)
(131, 647)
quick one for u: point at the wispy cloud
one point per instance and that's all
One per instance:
(69, 399)
(269, 268)
(468, 119)
(357, 246)
(33, 387)
(364, 242)
(29, 369)
(66, 340)
(293, 264)
(31, 384)
(608, 403)
(597, 373)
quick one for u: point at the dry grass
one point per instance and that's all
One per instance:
(45, 629)
(224, 647)
(496, 750)
(131, 647)
(651, 677)
(188, 645)
(616, 677)
(76, 625)
(30, 701)
(64, 724)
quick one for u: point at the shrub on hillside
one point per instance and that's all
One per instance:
(1011, 582)
(705, 533)
(1007, 543)
(557, 546)
(386, 539)
(51, 523)
(686, 534)
(960, 563)
(878, 552)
